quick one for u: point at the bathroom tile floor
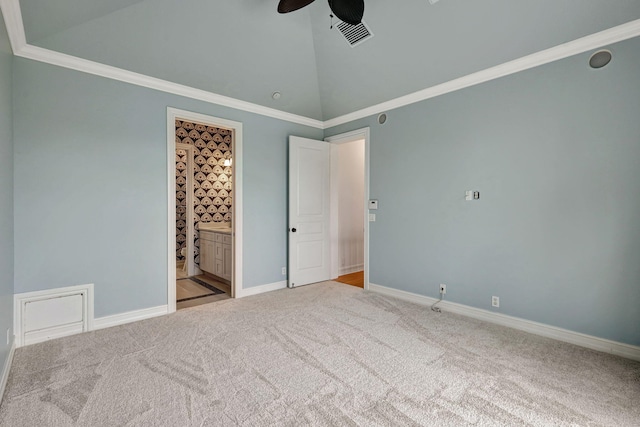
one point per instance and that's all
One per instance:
(190, 289)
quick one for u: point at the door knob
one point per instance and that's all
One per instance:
(293, 230)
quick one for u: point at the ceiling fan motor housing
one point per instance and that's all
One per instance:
(349, 11)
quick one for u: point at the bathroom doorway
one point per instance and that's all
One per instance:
(204, 209)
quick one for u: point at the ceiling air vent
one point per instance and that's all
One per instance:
(355, 34)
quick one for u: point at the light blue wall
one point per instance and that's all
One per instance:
(6, 195)
(555, 154)
(90, 186)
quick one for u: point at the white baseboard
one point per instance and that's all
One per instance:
(351, 269)
(7, 367)
(261, 289)
(52, 333)
(583, 340)
(129, 316)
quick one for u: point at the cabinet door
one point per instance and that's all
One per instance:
(219, 251)
(219, 271)
(227, 261)
(207, 256)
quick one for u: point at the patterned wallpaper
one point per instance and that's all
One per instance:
(212, 183)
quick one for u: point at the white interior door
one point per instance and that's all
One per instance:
(309, 215)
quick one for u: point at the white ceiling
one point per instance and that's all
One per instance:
(245, 50)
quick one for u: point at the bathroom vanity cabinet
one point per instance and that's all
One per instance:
(215, 253)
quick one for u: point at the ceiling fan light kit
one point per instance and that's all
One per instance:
(349, 11)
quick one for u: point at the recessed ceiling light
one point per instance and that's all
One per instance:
(276, 95)
(600, 59)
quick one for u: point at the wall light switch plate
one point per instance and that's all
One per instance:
(468, 195)
(372, 217)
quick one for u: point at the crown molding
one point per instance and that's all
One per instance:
(13, 22)
(83, 65)
(581, 45)
(15, 29)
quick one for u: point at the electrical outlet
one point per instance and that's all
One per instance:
(443, 289)
(284, 271)
(495, 301)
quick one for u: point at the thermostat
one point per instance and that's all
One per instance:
(373, 204)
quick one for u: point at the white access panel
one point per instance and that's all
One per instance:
(52, 312)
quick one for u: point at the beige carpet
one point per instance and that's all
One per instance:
(327, 354)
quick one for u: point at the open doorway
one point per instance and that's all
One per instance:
(352, 261)
(204, 209)
(316, 250)
(204, 206)
(347, 168)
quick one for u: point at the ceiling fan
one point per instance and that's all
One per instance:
(349, 11)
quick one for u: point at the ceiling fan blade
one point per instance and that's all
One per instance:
(349, 11)
(286, 6)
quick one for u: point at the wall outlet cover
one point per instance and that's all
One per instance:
(495, 301)
(284, 271)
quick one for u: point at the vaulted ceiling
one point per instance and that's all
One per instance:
(245, 50)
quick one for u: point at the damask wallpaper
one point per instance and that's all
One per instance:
(212, 183)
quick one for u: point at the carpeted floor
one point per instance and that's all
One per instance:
(326, 354)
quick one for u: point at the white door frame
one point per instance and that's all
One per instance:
(236, 156)
(189, 258)
(356, 135)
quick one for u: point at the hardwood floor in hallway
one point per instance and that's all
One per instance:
(353, 279)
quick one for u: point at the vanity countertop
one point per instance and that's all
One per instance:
(215, 227)
(216, 230)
